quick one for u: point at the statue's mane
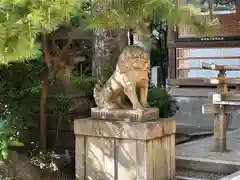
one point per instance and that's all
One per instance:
(131, 58)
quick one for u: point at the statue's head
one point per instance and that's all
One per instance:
(133, 57)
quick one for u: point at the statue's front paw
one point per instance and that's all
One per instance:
(146, 105)
(137, 106)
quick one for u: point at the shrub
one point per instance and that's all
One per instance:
(160, 98)
(20, 88)
(85, 83)
(8, 138)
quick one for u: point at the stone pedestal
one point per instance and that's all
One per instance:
(120, 150)
(146, 114)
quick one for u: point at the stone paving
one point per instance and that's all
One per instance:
(203, 148)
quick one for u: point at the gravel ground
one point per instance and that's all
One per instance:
(200, 175)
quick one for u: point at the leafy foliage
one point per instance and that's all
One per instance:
(22, 21)
(80, 19)
(20, 90)
(85, 83)
(62, 104)
(160, 98)
(61, 110)
(8, 138)
(20, 95)
(19, 98)
(119, 14)
(136, 14)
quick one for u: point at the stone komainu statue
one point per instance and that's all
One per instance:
(129, 77)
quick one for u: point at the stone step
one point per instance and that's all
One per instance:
(189, 168)
(181, 175)
(207, 165)
(187, 178)
(186, 174)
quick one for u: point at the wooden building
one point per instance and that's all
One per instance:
(187, 49)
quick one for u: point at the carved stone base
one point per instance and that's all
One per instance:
(120, 150)
(146, 114)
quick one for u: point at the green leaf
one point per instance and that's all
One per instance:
(15, 143)
(4, 149)
(1, 157)
(7, 131)
(4, 153)
(22, 20)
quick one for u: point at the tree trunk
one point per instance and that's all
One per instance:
(106, 48)
(43, 102)
(162, 45)
(131, 37)
(43, 120)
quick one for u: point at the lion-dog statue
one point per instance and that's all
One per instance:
(129, 77)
